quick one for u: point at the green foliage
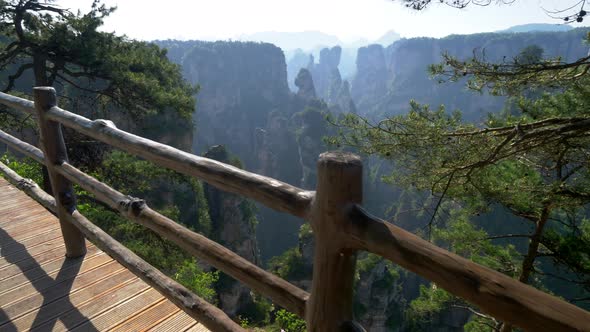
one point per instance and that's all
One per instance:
(190, 275)
(571, 246)
(479, 324)
(429, 303)
(27, 167)
(203, 218)
(467, 240)
(154, 181)
(249, 209)
(118, 165)
(289, 321)
(529, 55)
(244, 322)
(290, 265)
(70, 51)
(365, 265)
(256, 313)
(158, 252)
(528, 70)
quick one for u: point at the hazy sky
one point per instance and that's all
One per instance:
(347, 19)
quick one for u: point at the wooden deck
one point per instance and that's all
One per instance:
(41, 290)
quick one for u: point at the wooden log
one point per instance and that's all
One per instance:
(268, 191)
(55, 153)
(494, 293)
(17, 103)
(22, 147)
(280, 291)
(339, 187)
(209, 315)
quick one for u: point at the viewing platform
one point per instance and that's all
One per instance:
(41, 290)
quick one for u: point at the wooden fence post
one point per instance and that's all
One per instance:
(339, 187)
(53, 146)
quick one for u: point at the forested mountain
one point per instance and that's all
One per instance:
(246, 105)
(388, 76)
(538, 27)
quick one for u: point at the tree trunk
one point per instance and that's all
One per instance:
(529, 259)
(39, 66)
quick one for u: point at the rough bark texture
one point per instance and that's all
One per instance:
(273, 193)
(339, 187)
(55, 153)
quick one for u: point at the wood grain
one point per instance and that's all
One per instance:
(339, 185)
(268, 191)
(55, 153)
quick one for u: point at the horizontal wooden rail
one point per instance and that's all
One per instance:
(280, 291)
(22, 147)
(268, 191)
(493, 292)
(23, 105)
(199, 309)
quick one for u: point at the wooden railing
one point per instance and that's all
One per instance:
(340, 226)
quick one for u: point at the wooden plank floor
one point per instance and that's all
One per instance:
(40, 290)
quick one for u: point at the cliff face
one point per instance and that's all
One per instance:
(325, 73)
(241, 83)
(244, 103)
(304, 84)
(328, 82)
(370, 81)
(298, 60)
(379, 300)
(287, 149)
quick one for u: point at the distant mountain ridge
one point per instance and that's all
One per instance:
(543, 27)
